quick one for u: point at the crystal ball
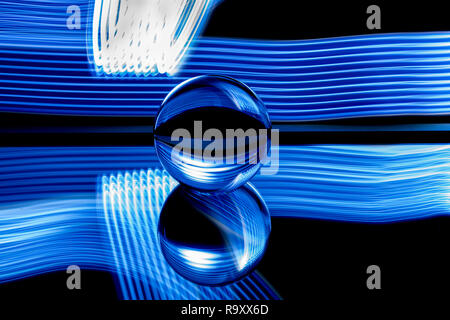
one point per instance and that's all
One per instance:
(214, 239)
(212, 133)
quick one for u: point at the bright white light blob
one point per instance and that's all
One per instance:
(145, 36)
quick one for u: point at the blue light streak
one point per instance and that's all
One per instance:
(394, 182)
(132, 202)
(382, 183)
(44, 69)
(49, 235)
(50, 216)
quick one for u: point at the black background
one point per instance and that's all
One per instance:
(307, 260)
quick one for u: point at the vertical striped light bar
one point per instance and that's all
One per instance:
(145, 37)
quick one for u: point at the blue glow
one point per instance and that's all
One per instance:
(49, 235)
(227, 235)
(363, 183)
(131, 204)
(44, 69)
(54, 232)
(394, 182)
(216, 105)
(50, 217)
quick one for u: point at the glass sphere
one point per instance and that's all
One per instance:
(214, 239)
(212, 133)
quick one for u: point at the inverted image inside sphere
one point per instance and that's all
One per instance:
(212, 133)
(214, 239)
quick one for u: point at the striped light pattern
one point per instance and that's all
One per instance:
(50, 216)
(56, 231)
(44, 68)
(145, 37)
(132, 202)
(372, 183)
(50, 235)
(393, 182)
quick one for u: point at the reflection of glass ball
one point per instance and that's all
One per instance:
(211, 133)
(213, 239)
